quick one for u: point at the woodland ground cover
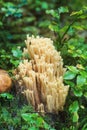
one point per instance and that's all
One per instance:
(66, 25)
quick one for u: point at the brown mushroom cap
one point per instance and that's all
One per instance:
(5, 81)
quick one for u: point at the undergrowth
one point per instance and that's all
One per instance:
(70, 38)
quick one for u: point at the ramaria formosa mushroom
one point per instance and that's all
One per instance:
(42, 76)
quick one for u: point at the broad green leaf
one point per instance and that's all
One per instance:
(79, 51)
(74, 107)
(53, 28)
(76, 13)
(30, 117)
(72, 47)
(81, 80)
(29, 19)
(78, 27)
(15, 62)
(6, 95)
(46, 126)
(17, 53)
(85, 7)
(53, 13)
(75, 117)
(40, 121)
(44, 5)
(83, 56)
(69, 75)
(8, 4)
(35, 115)
(70, 83)
(73, 69)
(78, 93)
(26, 116)
(63, 10)
(63, 29)
(83, 17)
(45, 24)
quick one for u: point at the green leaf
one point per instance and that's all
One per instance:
(40, 121)
(81, 80)
(30, 117)
(69, 75)
(83, 73)
(75, 117)
(53, 28)
(70, 83)
(9, 4)
(74, 107)
(53, 13)
(63, 10)
(17, 53)
(63, 29)
(76, 13)
(15, 62)
(73, 69)
(83, 16)
(78, 27)
(46, 126)
(26, 117)
(44, 5)
(6, 95)
(78, 93)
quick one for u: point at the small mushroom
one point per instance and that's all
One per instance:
(5, 81)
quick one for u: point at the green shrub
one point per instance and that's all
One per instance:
(72, 45)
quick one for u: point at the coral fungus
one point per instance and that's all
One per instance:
(42, 76)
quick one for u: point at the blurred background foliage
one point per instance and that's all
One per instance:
(21, 17)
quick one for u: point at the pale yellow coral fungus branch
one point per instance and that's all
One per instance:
(42, 76)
